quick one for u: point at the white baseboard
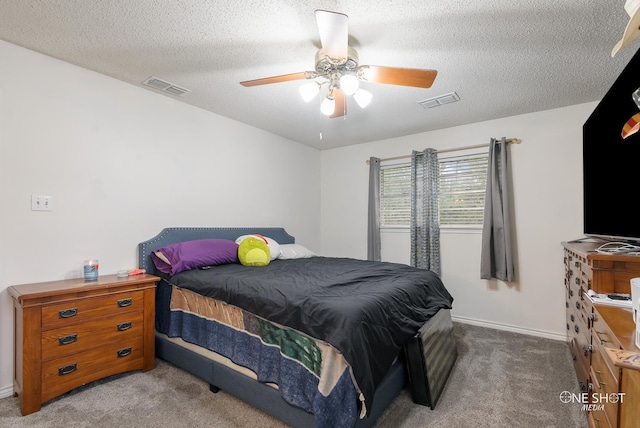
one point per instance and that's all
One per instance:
(511, 328)
(6, 391)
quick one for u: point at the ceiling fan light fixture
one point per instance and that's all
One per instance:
(349, 84)
(362, 97)
(328, 106)
(337, 66)
(308, 91)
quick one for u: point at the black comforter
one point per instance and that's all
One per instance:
(367, 310)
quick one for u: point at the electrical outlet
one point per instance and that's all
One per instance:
(41, 203)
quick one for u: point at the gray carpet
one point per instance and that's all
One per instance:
(501, 379)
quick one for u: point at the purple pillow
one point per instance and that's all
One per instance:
(182, 256)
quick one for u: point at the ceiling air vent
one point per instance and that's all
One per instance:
(164, 86)
(451, 97)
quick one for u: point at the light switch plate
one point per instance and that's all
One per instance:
(41, 203)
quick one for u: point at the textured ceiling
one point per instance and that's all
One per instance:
(502, 57)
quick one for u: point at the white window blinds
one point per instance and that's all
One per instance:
(463, 183)
(462, 189)
(395, 195)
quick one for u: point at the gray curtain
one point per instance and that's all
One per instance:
(373, 224)
(496, 260)
(425, 229)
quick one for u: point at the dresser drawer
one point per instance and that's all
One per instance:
(81, 337)
(587, 307)
(64, 374)
(601, 363)
(603, 333)
(581, 365)
(605, 385)
(598, 419)
(83, 310)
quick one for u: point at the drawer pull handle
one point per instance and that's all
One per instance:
(124, 326)
(576, 328)
(124, 352)
(68, 313)
(66, 340)
(67, 369)
(600, 336)
(123, 303)
(577, 281)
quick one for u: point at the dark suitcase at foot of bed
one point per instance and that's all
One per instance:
(430, 356)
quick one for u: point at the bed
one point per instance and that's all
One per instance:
(277, 338)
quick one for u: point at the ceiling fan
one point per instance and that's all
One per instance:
(337, 67)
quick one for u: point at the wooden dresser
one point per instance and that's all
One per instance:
(597, 333)
(71, 332)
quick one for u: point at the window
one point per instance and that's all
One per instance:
(463, 183)
(461, 195)
(395, 195)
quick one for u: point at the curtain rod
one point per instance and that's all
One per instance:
(477, 146)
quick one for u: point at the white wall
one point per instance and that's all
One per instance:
(121, 163)
(547, 181)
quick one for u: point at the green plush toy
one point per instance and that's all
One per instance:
(254, 252)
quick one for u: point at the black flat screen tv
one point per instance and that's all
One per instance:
(611, 164)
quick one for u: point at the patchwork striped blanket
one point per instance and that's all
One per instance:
(309, 373)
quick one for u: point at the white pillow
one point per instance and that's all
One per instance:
(274, 247)
(295, 251)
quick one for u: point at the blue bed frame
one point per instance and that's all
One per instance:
(219, 376)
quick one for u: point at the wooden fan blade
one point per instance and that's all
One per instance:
(334, 33)
(277, 79)
(341, 104)
(398, 76)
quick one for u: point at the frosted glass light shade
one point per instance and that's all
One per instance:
(309, 90)
(362, 97)
(328, 106)
(349, 84)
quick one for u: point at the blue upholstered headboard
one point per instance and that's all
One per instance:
(171, 235)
